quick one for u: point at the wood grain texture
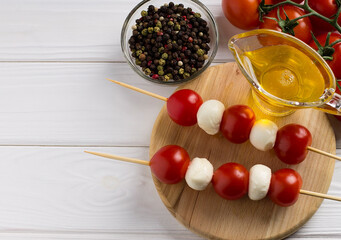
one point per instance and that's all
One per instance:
(213, 217)
(72, 104)
(77, 30)
(63, 193)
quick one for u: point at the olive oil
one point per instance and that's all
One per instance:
(286, 72)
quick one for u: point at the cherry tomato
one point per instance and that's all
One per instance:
(285, 187)
(183, 105)
(237, 123)
(231, 181)
(335, 64)
(327, 8)
(242, 13)
(302, 30)
(291, 143)
(170, 164)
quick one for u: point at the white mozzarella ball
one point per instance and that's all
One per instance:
(259, 181)
(199, 173)
(263, 134)
(209, 116)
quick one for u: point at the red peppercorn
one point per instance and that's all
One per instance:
(150, 63)
(155, 76)
(184, 48)
(190, 39)
(184, 17)
(189, 25)
(160, 33)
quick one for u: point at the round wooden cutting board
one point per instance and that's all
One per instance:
(213, 217)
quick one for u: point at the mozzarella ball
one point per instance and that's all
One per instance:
(263, 134)
(259, 181)
(209, 116)
(199, 173)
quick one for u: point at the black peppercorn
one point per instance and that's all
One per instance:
(170, 42)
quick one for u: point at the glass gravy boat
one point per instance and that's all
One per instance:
(281, 81)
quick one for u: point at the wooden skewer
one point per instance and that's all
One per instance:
(143, 162)
(139, 90)
(320, 195)
(323, 153)
(125, 159)
(165, 99)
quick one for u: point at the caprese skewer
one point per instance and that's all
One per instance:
(171, 164)
(237, 124)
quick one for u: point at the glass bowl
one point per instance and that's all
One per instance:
(197, 6)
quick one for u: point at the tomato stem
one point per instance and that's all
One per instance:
(266, 8)
(338, 84)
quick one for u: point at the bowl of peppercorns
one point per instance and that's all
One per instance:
(169, 42)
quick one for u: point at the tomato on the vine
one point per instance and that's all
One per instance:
(327, 8)
(237, 123)
(291, 143)
(169, 164)
(285, 187)
(301, 31)
(183, 105)
(334, 64)
(231, 181)
(242, 13)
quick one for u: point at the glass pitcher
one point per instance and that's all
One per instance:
(285, 73)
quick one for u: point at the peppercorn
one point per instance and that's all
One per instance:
(200, 52)
(162, 62)
(144, 32)
(186, 75)
(150, 30)
(164, 56)
(170, 42)
(147, 71)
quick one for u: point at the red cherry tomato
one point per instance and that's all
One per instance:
(183, 105)
(170, 164)
(302, 30)
(237, 122)
(231, 181)
(291, 143)
(242, 13)
(335, 64)
(327, 8)
(285, 187)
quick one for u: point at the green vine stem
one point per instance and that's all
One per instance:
(265, 9)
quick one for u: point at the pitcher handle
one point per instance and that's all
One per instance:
(333, 106)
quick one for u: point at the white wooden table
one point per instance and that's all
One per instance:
(55, 103)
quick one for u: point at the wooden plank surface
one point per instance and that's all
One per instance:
(62, 193)
(76, 30)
